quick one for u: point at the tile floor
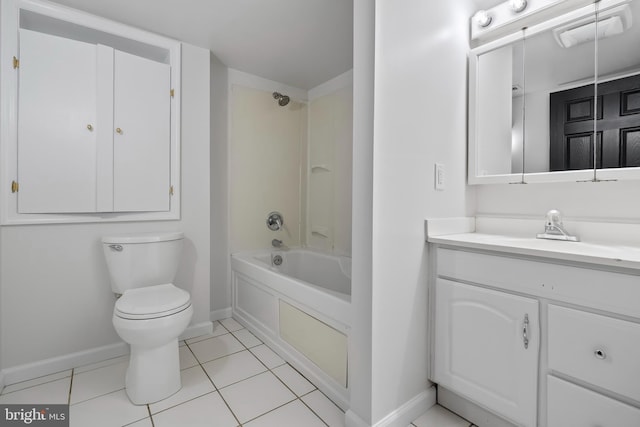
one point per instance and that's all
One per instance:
(229, 378)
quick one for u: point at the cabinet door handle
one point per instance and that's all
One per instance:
(600, 354)
(525, 332)
(90, 127)
(119, 131)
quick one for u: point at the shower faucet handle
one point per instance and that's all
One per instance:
(275, 221)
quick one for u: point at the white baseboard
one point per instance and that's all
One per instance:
(220, 314)
(411, 410)
(196, 330)
(40, 368)
(401, 417)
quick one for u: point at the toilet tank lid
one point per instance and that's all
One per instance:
(144, 237)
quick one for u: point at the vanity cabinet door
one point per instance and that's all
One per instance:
(56, 124)
(142, 139)
(486, 348)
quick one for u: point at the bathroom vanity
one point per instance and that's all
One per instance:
(537, 332)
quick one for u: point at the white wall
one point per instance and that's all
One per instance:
(55, 296)
(420, 118)
(219, 175)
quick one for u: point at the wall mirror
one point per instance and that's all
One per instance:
(544, 131)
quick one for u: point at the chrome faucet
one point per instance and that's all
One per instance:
(276, 243)
(553, 228)
(275, 221)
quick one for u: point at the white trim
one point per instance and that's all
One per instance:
(202, 328)
(333, 85)
(220, 314)
(411, 410)
(1, 381)
(52, 365)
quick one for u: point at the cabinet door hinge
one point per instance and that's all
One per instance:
(16, 63)
(14, 187)
(171, 190)
(172, 92)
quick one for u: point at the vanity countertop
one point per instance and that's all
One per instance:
(618, 255)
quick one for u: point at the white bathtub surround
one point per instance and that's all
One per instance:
(309, 290)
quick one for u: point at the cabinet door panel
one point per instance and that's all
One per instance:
(56, 148)
(480, 351)
(141, 152)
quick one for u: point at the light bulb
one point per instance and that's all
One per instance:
(518, 5)
(482, 18)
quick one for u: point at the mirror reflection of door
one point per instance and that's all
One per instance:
(618, 126)
(616, 139)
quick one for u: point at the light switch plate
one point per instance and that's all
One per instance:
(439, 176)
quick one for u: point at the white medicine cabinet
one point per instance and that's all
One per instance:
(90, 118)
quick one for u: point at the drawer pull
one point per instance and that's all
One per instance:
(525, 332)
(600, 354)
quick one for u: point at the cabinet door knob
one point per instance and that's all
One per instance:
(600, 354)
(89, 127)
(119, 131)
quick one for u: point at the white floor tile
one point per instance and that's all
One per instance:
(187, 359)
(194, 383)
(292, 378)
(97, 382)
(109, 410)
(216, 347)
(101, 364)
(255, 396)
(55, 392)
(142, 423)
(205, 411)
(231, 324)
(437, 416)
(325, 408)
(233, 368)
(267, 356)
(218, 330)
(247, 338)
(36, 381)
(291, 414)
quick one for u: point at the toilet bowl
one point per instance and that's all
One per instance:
(150, 312)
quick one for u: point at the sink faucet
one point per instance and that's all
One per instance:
(553, 228)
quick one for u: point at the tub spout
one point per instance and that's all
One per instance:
(276, 243)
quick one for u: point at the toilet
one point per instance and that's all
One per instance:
(150, 312)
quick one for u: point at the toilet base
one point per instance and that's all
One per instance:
(153, 373)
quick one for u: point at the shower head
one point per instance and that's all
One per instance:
(282, 99)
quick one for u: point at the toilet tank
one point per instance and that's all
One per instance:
(139, 260)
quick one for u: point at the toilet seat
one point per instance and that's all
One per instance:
(152, 302)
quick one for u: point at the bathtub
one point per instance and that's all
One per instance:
(301, 309)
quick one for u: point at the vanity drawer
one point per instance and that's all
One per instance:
(572, 405)
(597, 349)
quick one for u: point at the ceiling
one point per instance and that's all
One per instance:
(301, 43)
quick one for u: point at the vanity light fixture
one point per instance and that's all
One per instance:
(517, 6)
(513, 15)
(482, 18)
